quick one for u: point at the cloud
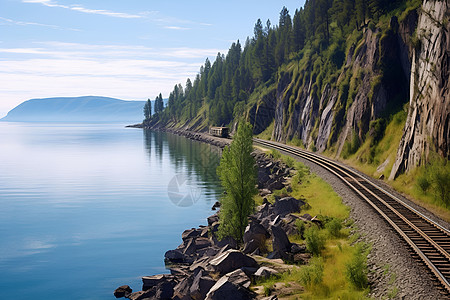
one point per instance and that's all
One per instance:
(21, 23)
(92, 51)
(176, 28)
(82, 9)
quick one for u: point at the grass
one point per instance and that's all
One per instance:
(267, 133)
(325, 277)
(409, 184)
(322, 199)
(370, 156)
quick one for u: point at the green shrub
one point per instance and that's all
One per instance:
(334, 227)
(423, 183)
(356, 269)
(315, 242)
(289, 161)
(436, 177)
(376, 130)
(275, 154)
(351, 147)
(300, 227)
(312, 274)
(440, 176)
(302, 171)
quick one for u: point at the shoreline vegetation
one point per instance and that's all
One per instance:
(299, 242)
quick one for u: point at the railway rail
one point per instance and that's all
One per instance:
(429, 241)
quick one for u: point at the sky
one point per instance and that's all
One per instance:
(131, 50)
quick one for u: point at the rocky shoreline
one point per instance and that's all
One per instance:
(202, 267)
(392, 271)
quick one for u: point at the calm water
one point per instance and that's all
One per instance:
(86, 208)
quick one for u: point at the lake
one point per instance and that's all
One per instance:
(85, 208)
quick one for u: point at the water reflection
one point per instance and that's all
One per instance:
(193, 161)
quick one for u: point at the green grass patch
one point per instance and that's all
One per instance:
(333, 248)
(322, 199)
(435, 175)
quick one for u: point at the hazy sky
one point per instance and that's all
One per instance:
(128, 49)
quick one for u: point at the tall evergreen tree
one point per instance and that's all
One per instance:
(148, 109)
(237, 173)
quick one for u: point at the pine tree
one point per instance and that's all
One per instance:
(148, 109)
(237, 174)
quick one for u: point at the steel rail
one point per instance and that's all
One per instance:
(358, 187)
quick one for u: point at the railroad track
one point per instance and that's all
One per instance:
(429, 242)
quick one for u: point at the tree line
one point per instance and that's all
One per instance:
(222, 88)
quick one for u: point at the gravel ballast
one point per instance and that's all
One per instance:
(393, 273)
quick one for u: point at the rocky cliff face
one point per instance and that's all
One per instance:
(382, 70)
(427, 126)
(371, 80)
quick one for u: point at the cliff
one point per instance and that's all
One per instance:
(382, 69)
(427, 126)
(340, 84)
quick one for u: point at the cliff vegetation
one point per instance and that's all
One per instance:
(365, 81)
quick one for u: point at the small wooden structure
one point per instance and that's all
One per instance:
(219, 131)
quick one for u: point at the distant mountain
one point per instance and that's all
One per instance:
(77, 109)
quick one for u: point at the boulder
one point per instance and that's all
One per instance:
(290, 224)
(216, 205)
(306, 217)
(209, 251)
(226, 241)
(276, 184)
(255, 231)
(174, 256)
(263, 177)
(190, 247)
(231, 260)
(286, 206)
(225, 290)
(251, 246)
(205, 232)
(123, 291)
(149, 282)
(214, 227)
(201, 263)
(263, 211)
(290, 218)
(264, 192)
(179, 271)
(275, 221)
(182, 289)
(239, 277)
(201, 286)
(142, 295)
(202, 242)
(265, 272)
(280, 241)
(296, 248)
(190, 233)
(212, 219)
(164, 290)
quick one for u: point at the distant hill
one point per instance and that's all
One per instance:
(77, 109)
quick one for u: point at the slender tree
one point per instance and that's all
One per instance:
(148, 109)
(237, 174)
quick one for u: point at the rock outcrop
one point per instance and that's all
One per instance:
(427, 125)
(408, 60)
